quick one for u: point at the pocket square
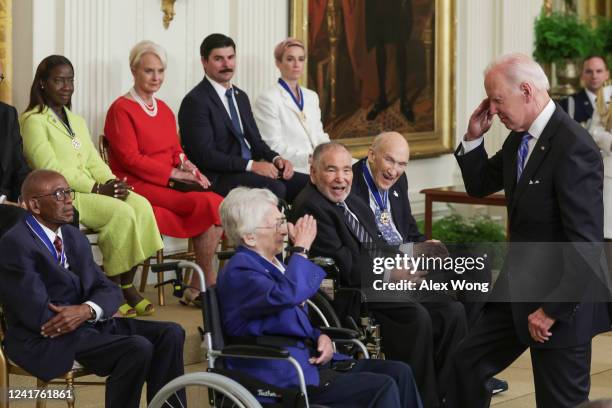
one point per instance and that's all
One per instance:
(534, 181)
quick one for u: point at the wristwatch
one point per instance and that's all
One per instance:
(92, 313)
(297, 250)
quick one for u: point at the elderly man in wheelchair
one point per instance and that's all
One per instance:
(260, 297)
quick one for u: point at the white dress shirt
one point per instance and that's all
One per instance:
(220, 89)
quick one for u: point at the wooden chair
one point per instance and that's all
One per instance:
(7, 367)
(189, 254)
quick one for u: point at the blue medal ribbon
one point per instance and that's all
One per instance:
(300, 103)
(40, 233)
(381, 200)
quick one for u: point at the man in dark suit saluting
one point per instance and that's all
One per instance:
(552, 175)
(219, 133)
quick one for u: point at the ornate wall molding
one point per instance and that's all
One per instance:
(6, 28)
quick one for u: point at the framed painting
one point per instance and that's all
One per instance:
(381, 66)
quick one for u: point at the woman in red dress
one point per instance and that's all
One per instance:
(144, 147)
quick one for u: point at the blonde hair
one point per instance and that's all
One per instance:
(284, 45)
(604, 111)
(147, 47)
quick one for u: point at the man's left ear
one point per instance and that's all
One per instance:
(527, 91)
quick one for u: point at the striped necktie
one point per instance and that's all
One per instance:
(522, 155)
(355, 226)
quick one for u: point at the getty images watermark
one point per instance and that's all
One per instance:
(403, 272)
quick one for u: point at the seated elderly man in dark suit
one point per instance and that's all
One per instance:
(380, 180)
(59, 306)
(220, 135)
(423, 335)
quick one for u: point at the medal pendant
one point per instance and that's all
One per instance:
(385, 218)
(76, 144)
(302, 116)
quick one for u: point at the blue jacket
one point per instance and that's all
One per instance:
(258, 299)
(31, 279)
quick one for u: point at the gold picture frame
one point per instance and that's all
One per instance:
(432, 129)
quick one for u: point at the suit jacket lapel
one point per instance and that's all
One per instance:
(366, 219)
(540, 150)
(217, 101)
(54, 121)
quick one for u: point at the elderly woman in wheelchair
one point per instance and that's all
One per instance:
(261, 298)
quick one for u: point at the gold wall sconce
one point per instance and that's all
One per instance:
(167, 7)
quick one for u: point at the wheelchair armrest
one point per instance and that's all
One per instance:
(339, 333)
(166, 266)
(322, 261)
(254, 351)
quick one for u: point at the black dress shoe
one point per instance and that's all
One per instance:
(406, 110)
(497, 386)
(378, 107)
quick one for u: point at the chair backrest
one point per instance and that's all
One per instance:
(103, 148)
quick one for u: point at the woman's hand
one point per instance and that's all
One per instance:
(113, 188)
(325, 349)
(198, 177)
(304, 231)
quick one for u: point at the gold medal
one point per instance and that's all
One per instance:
(76, 143)
(385, 217)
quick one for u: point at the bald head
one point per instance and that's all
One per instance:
(388, 158)
(40, 182)
(47, 196)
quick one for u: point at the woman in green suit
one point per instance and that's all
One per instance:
(57, 139)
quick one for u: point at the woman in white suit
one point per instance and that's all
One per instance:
(288, 115)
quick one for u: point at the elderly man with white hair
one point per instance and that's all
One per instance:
(551, 172)
(259, 296)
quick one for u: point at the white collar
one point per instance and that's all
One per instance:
(220, 89)
(49, 233)
(538, 125)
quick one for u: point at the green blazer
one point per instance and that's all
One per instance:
(47, 145)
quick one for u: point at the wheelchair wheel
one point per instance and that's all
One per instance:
(323, 304)
(202, 387)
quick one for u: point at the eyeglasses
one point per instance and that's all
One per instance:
(2, 78)
(60, 194)
(280, 225)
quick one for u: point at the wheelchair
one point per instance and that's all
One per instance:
(325, 314)
(228, 388)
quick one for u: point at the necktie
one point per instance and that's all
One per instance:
(356, 228)
(245, 152)
(388, 232)
(57, 243)
(522, 155)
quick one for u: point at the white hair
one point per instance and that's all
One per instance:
(147, 47)
(243, 210)
(520, 68)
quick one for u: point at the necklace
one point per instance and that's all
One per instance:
(149, 110)
(76, 143)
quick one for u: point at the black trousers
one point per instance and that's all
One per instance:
(371, 384)
(283, 189)
(130, 352)
(561, 376)
(424, 335)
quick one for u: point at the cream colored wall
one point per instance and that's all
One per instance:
(97, 36)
